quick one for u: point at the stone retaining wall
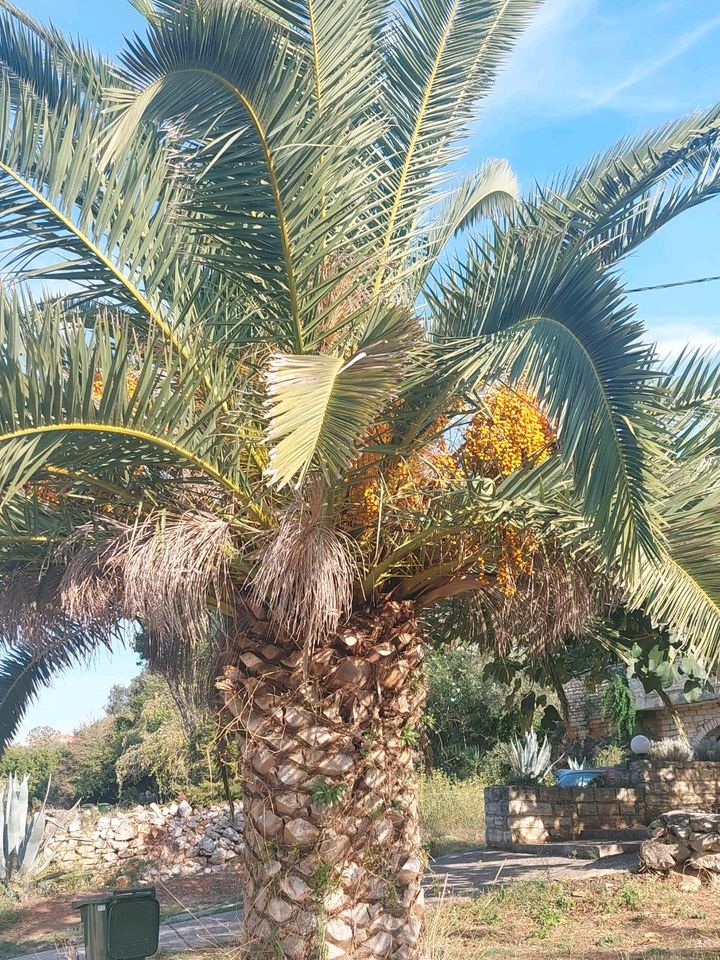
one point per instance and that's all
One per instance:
(521, 815)
(146, 842)
(524, 815)
(674, 786)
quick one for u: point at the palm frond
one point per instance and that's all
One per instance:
(490, 192)
(87, 402)
(442, 57)
(271, 165)
(319, 406)
(622, 197)
(541, 314)
(26, 670)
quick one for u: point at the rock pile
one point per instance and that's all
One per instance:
(151, 842)
(683, 840)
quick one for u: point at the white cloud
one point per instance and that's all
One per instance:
(674, 50)
(673, 334)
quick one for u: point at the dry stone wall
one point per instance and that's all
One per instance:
(683, 840)
(516, 816)
(147, 842)
(675, 786)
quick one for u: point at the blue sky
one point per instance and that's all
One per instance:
(587, 73)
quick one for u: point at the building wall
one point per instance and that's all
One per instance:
(699, 720)
(588, 725)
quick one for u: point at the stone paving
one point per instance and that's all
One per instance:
(460, 874)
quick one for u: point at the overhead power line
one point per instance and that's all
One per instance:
(678, 283)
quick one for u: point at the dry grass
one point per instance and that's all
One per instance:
(622, 918)
(618, 918)
(452, 813)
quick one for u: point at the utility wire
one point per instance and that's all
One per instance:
(678, 283)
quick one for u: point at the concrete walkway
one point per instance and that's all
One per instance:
(460, 874)
(467, 874)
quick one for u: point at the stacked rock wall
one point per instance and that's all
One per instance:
(684, 840)
(516, 816)
(146, 842)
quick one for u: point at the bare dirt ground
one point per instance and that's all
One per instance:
(43, 921)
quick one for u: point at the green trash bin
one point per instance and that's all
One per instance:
(123, 925)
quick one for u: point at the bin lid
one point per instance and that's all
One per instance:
(133, 926)
(97, 898)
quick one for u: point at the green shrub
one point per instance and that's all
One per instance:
(671, 748)
(609, 756)
(619, 708)
(465, 716)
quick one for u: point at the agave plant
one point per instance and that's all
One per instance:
(22, 836)
(241, 410)
(529, 760)
(574, 764)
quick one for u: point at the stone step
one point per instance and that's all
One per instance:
(616, 836)
(580, 849)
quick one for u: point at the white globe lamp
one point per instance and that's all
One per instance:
(640, 745)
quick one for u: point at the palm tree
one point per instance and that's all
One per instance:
(240, 405)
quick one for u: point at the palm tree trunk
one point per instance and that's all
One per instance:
(332, 854)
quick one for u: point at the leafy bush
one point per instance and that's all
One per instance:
(671, 748)
(529, 760)
(39, 759)
(619, 708)
(611, 755)
(464, 716)
(708, 749)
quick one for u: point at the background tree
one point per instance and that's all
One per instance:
(245, 407)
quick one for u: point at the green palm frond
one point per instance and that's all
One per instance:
(51, 416)
(681, 591)
(539, 313)
(249, 98)
(320, 406)
(490, 192)
(622, 197)
(442, 57)
(26, 669)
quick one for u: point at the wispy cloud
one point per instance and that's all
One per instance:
(676, 49)
(581, 55)
(673, 334)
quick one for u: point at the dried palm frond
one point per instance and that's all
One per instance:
(33, 614)
(164, 571)
(560, 597)
(305, 575)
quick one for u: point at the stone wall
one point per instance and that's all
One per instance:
(526, 815)
(676, 786)
(699, 720)
(146, 842)
(683, 841)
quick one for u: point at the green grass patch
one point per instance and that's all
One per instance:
(452, 813)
